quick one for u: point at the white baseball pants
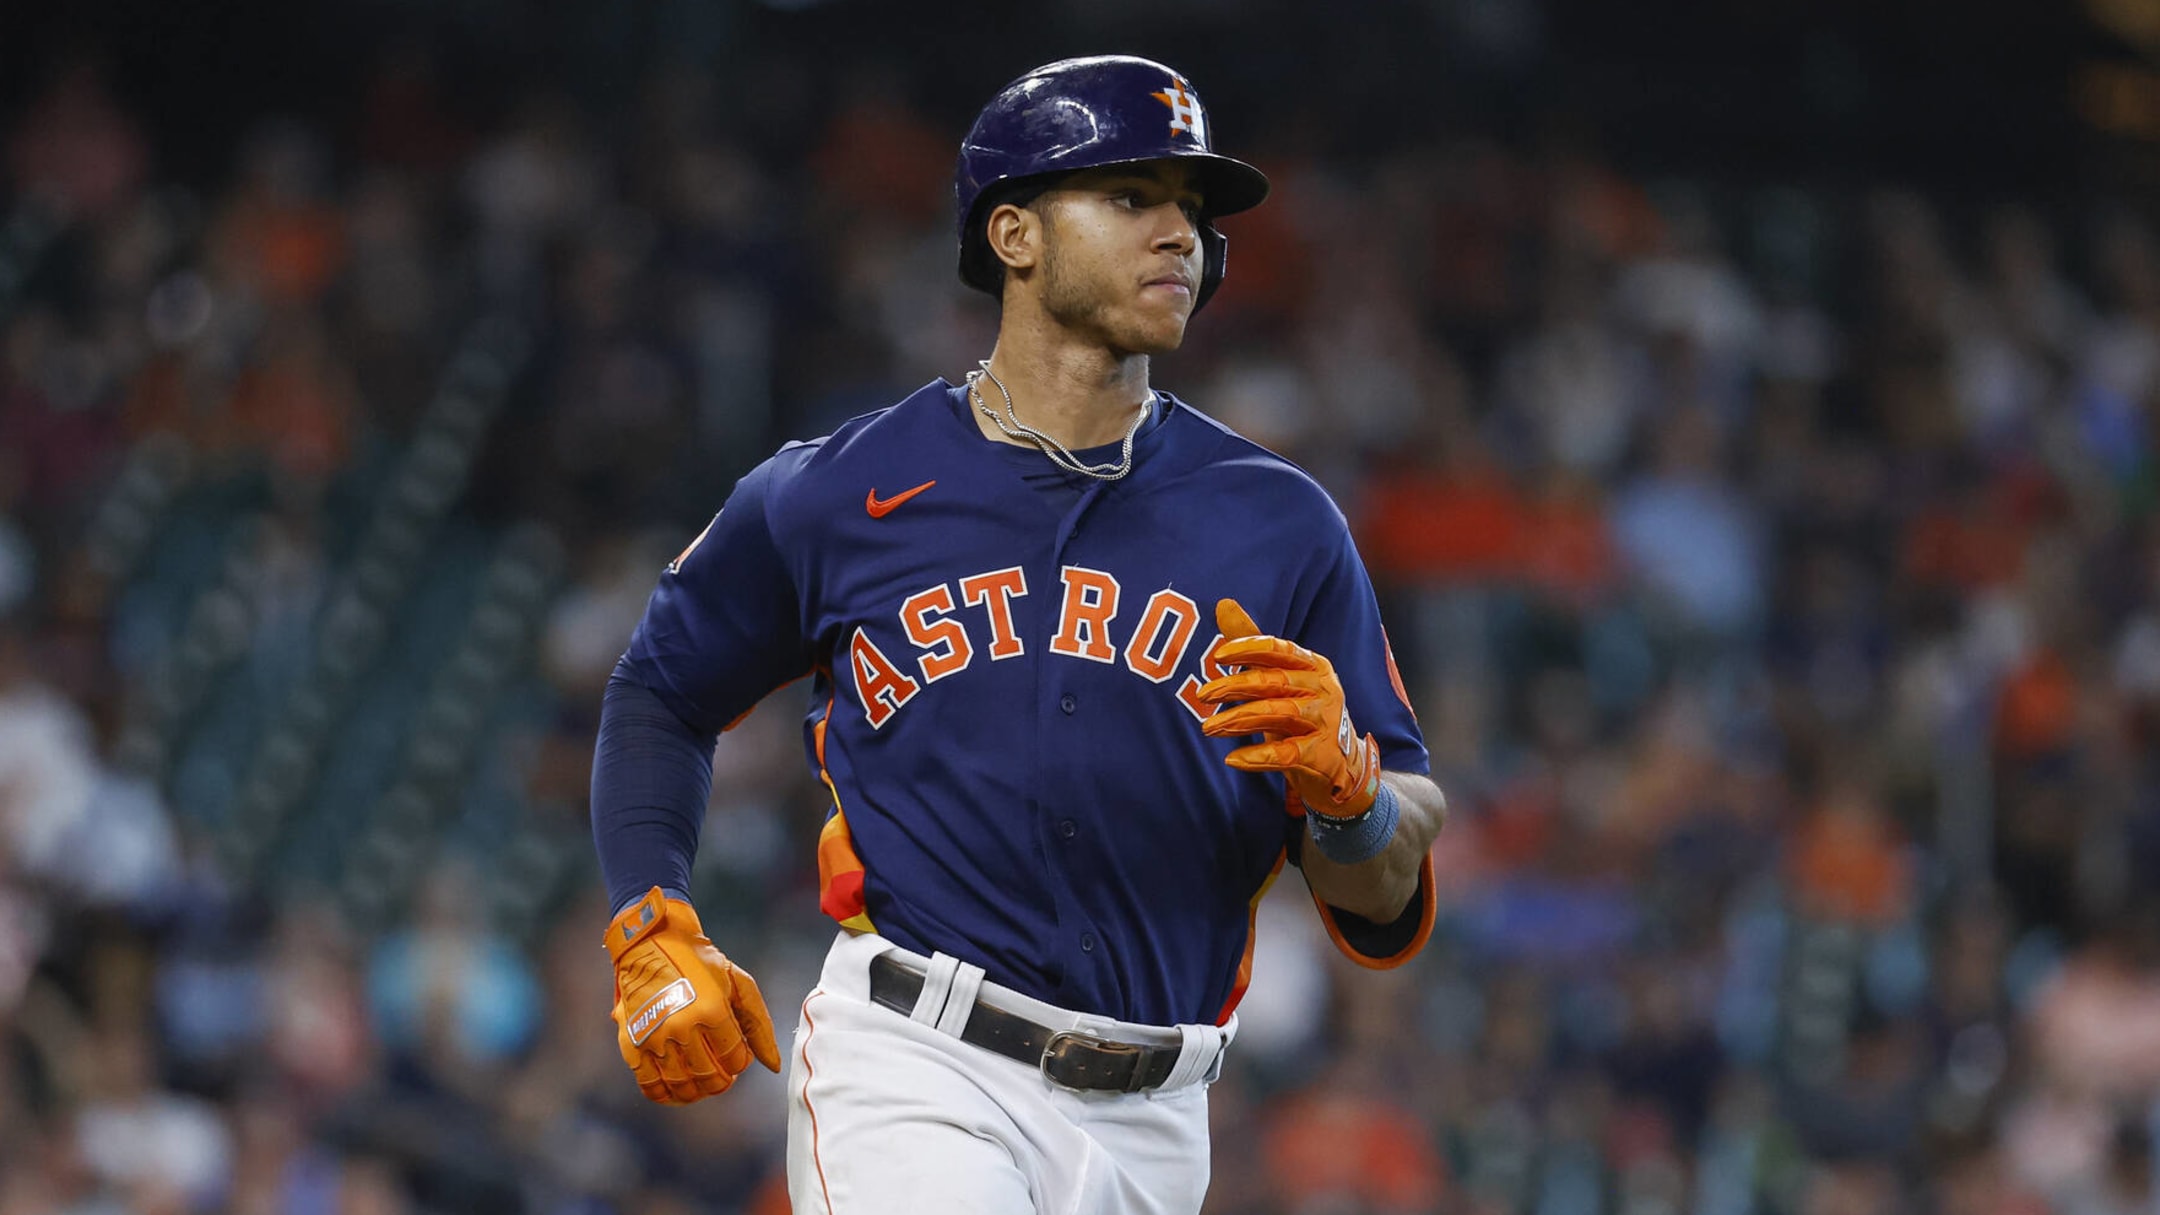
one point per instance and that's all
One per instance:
(890, 1115)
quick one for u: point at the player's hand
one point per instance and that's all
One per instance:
(687, 1020)
(1294, 701)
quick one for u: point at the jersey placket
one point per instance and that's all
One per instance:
(1063, 745)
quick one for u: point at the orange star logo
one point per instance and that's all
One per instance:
(1185, 112)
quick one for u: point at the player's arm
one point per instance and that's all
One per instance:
(1380, 887)
(721, 630)
(1369, 831)
(1366, 835)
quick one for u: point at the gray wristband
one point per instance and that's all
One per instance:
(1348, 841)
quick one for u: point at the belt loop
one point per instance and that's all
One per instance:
(967, 984)
(1222, 1049)
(1202, 1046)
(936, 989)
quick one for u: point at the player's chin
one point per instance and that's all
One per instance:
(1156, 330)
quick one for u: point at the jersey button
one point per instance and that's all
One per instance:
(1067, 828)
(1087, 942)
(1068, 702)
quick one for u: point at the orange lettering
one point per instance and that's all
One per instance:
(1165, 629)
(1091, 601)
(996, 591)
(930, 634)
(882, 686)
(1210, 670)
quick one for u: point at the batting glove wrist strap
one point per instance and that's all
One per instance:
(1351, 841)
(640, 920)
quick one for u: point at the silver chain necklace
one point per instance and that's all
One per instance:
(1014, 428)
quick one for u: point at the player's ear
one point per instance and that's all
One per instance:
(1015, 235)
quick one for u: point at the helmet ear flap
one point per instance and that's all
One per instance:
(980, 268)
(1214, 263)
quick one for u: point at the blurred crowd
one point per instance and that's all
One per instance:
(1773, 567)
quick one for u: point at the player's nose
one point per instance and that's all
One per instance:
(1175, 231)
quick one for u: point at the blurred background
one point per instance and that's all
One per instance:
(1747, 411)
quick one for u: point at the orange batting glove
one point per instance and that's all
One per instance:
(1294, 702)
(687, 1020)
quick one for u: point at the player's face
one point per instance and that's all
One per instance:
(1121, 254)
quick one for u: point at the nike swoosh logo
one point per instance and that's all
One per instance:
(881, 507)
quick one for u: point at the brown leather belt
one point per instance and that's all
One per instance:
(1072, 1060)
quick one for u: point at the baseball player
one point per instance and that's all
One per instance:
(1087, 668)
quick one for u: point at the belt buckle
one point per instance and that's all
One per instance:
(1066, 1050)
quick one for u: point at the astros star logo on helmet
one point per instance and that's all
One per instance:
(1185, 112)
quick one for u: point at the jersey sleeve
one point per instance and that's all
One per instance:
(1369, 943)
(651, 776)
(1342, 622)
(724, 626)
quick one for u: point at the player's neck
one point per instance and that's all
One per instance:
(1080, 395)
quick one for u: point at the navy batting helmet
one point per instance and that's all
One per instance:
(1084, 114)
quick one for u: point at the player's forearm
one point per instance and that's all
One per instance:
(651, 775)
(1381, 887)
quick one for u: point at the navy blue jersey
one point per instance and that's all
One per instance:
(1003, 698)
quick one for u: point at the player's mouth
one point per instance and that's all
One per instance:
(1180, 285)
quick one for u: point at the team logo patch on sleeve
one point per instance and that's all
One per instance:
(672, 999)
